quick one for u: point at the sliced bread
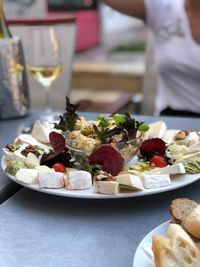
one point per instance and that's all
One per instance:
(181, 208)
(183, 246)
(175, 250)
(192, 222)
(163, 255)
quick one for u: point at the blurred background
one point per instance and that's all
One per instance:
(110, 66)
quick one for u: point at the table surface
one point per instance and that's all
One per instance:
(38, 229)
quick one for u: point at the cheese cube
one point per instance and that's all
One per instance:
(27, 176)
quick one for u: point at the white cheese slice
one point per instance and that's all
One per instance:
(156, 180)
(27, 176)
(106, 187)
(51, 179)
(130, 180)
(156, 129)
(41, 131)
(78, 180)
(177, 168)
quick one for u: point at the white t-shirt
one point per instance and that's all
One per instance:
(177, 56)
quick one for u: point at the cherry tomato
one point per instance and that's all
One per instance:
(158, 161)
(59, 167)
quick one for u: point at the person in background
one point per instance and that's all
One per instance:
(176, 28)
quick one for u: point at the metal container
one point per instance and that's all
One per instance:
(14, 91)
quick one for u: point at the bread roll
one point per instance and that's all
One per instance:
(192, 222)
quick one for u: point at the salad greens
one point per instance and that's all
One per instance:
(124, 124)
(68, 120)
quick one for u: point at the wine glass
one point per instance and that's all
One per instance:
(44, 62)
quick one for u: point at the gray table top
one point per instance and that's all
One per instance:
(38, 229)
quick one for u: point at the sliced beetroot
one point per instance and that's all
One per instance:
(107, 157)
(57, 142)
(152, 147)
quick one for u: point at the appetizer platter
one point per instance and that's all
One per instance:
(175, 242)
(110, 157)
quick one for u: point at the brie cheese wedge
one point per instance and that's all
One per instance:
(156, 129)
(106, 187)
(131, 181)
(151, 181)
(51, 180)
(41, 132)
(78, 180)
(177, 168)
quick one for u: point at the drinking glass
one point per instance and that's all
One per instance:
(44, 62)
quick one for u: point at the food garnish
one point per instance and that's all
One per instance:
(152, 147)
(58, 153)
(59, 167)
(30, 149)
(108, 158)
(69, 118)
(158, 161)
(13, 166)
(193, 165)
(103, 121)
(57, 141)
(64, 157)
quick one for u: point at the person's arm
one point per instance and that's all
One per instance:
(135, 8)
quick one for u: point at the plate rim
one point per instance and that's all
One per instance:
(77, 193)
(159, 229)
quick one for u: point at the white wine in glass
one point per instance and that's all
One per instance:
(44, 62)
(45, 74)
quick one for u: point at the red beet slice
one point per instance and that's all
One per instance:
(107, 157)
(152, 147)
(57, 141)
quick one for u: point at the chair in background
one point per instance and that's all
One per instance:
(65, 28)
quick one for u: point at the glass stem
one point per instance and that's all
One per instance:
(48, 106)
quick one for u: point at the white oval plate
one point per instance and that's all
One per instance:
(143, 255)
(177, 182)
